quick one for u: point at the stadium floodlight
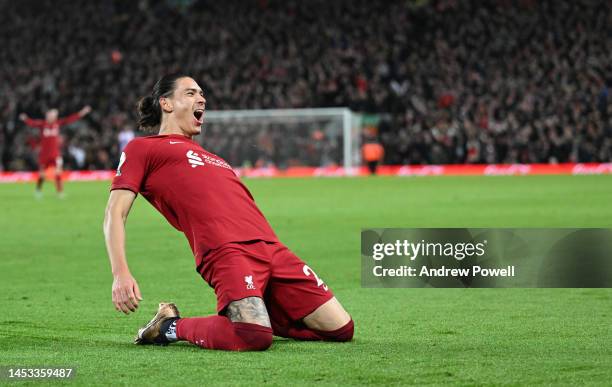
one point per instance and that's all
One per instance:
(316, 137)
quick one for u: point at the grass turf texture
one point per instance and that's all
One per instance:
(56, 305)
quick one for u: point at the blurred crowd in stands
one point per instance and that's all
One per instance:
(504, 81)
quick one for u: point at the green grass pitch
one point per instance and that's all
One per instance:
(56, 303)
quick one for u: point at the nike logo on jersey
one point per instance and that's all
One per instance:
(194, 159)
(175, 142)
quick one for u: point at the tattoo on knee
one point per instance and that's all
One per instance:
(249, 310)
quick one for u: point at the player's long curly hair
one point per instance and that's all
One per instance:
(149, 110)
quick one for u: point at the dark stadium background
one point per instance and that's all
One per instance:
(452, 81)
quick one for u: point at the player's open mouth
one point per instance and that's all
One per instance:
(199, 116)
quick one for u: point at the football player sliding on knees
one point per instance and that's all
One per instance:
(262, 288)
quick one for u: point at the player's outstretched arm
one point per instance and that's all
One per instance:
(74, 116)
(125, 291)
(30, 122)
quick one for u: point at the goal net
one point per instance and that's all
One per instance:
(284, 138)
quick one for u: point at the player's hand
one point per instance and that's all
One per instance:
(23, 116)
(126, 293)
(85, 111)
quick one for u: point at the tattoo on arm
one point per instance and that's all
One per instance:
(248, 310)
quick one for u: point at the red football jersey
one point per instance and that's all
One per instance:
(196, 191)
(49, 134)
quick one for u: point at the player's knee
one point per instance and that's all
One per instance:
(343, 334)
(254, 337)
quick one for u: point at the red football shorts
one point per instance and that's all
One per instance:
(49, 160)
(291, 290)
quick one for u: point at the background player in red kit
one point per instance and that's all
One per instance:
(49, 154)
(261, 286)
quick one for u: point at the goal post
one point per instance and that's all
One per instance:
(315, 137)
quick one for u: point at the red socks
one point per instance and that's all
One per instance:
(59, 186)
(302, 332)
(58, 183)
(218, 332)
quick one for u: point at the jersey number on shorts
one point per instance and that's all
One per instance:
(308, 271)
